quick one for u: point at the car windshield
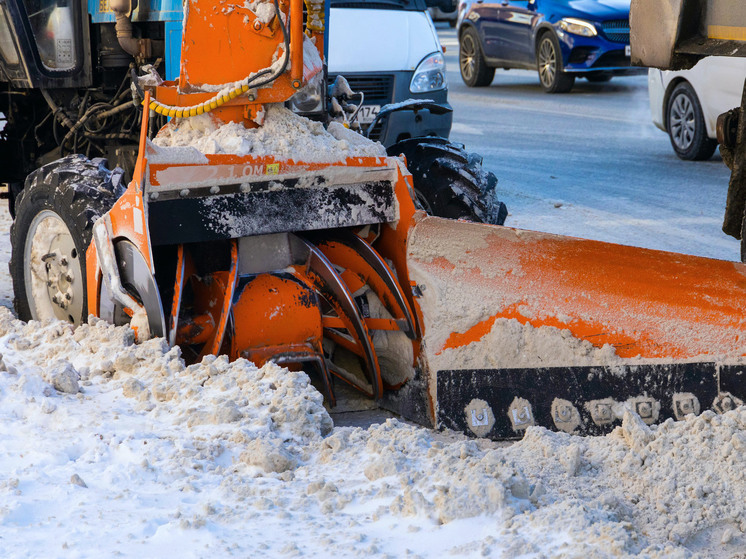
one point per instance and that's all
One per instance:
(413, 5)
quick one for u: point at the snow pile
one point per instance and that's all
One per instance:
(115, 448)
(510, 344)
(679, 486)
(283, 135)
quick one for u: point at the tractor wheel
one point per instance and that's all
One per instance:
(449, 182)
(55, 214)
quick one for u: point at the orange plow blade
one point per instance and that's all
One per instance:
(535, 321)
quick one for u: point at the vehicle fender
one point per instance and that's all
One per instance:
(538, 31)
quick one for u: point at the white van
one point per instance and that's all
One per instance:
(389, 51)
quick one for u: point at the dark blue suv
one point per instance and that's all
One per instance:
(562, 39)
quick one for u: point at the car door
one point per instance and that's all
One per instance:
(514, 24)
(483, 15)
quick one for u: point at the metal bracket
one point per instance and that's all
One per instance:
(108, 263)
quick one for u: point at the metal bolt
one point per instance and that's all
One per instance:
(564, 413)
(644, 409)
(68, 296)
(63, 261)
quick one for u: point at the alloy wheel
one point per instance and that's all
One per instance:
(467, 57)
(682, 122)
(547, 62)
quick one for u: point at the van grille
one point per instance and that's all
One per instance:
(378, 88)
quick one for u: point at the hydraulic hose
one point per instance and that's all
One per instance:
(250, 82)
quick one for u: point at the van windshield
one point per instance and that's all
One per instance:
(412, 5)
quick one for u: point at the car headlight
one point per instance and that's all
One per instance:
(578, 27)
(430, 74)
(310, 98)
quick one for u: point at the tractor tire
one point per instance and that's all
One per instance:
(52, 230)
(449, 182)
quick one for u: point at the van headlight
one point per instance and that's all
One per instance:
(430, 74)
(309, 99)
(578, 27)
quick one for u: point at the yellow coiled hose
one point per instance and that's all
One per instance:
(315, 17)
(204, 107)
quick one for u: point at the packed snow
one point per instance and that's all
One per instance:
(283, 134)
(112, 448)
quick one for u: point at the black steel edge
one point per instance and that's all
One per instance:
(456, 389)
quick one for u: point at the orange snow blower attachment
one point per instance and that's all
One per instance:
(320, 260)
(526, 328)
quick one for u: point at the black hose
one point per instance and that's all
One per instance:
(286, 56)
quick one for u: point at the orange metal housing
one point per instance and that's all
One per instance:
(645, 303)
(225, 42)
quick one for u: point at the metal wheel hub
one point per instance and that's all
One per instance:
(682, 122)
(53, 274)
(467, 57)
(547, 62)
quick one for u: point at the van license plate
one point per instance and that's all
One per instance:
(368, 113)
(627, 50)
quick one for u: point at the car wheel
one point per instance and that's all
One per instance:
(552, 76)
(686, 125)
(474, 69)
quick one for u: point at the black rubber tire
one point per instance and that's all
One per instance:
(686, 125)
(473, 67)
(449, 182)
(599, 78)
(552, 76)
(79, 191)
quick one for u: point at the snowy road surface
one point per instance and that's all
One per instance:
(589, 163)
(111, 449)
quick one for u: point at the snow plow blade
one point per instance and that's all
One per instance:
(525, 328)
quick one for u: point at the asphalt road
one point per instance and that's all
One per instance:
(589, 163)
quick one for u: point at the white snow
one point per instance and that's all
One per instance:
(117, 449)
(283, 135)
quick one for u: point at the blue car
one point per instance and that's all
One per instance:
(561, 39)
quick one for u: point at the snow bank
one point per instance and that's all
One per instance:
(283, 135)
(111, 448)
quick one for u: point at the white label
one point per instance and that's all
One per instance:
(368, 113)
(64, 52)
